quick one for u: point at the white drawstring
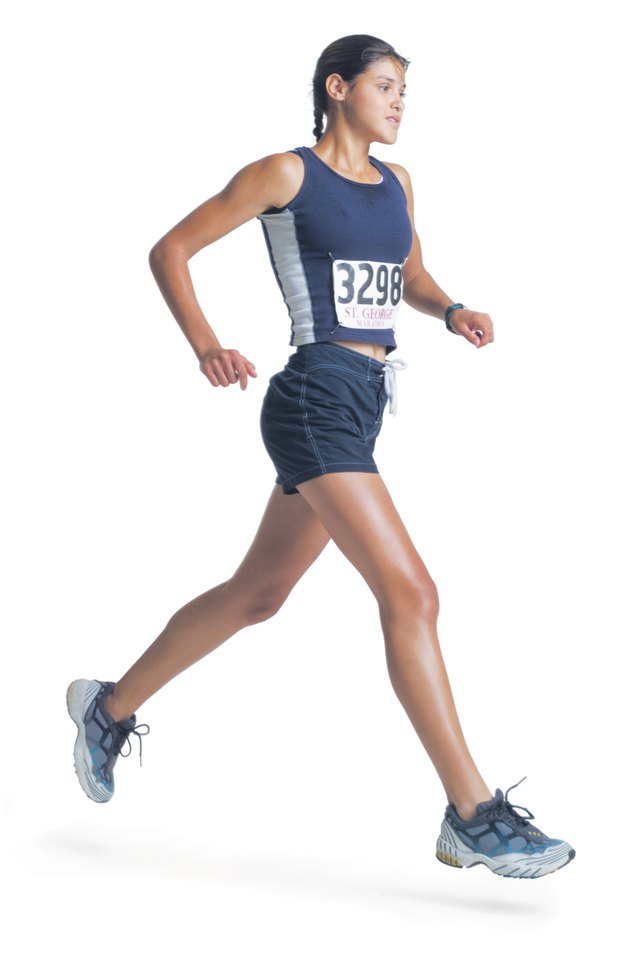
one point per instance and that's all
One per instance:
(390, 367)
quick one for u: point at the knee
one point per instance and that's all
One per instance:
(263, 606)
(414, 599)
(259, 603)
(422, 599)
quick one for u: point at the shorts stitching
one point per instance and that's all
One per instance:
(366, 377)
(355, 358)
(307, 428)
(346, 466)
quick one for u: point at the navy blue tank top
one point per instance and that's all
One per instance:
(337, 251)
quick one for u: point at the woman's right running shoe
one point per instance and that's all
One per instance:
(501, 839)
(100, 738)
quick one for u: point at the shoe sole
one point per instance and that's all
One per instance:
(79, 696)
(453, 853)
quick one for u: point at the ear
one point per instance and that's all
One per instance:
(336, 87)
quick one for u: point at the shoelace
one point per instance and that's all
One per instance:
(390, 387)
(125, 738)
(505, 810)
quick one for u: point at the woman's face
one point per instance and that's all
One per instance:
(373, 103)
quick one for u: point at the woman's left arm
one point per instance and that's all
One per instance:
(422, 292)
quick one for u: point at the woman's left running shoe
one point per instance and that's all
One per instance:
(100, 738)
(501, 839)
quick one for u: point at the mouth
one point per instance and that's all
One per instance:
(394, 120)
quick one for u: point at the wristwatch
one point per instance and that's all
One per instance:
(449, 311)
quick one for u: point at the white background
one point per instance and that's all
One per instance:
(285, 806)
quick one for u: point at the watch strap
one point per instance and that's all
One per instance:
(449, 311)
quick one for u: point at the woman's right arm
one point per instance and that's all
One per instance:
(270, 182)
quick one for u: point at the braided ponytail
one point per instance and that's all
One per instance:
(318, 116)
(348, 57)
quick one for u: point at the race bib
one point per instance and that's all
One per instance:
(366, 294)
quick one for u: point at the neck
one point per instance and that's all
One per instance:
(347, 153)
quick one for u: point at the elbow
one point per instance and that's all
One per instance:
(411, 286)
(407, 292)
(155, 255)
(158, 253)
(163, 252)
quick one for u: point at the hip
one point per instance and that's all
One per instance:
(328, 386)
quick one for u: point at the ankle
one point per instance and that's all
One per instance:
(114, 709)
(466, 807)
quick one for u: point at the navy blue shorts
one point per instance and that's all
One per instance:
(322, 413)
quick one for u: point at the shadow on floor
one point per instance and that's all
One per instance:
(303, 876)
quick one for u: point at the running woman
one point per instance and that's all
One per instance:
(340, 235)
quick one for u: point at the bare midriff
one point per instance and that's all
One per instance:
(375, 350)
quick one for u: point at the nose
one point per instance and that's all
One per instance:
(397, 103)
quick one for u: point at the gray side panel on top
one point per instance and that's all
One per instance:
(285, 253)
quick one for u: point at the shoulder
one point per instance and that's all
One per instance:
(282, 164)
(279, 174)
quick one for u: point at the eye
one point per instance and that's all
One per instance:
(384, 87)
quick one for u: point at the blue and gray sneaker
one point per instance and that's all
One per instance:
(100, 738)
(501, 839)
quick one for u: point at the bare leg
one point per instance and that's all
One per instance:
(290, 537)
(358, 513)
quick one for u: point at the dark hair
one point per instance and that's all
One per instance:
(349, 57)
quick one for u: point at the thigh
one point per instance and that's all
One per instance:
(359, 515)
(290, 537)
